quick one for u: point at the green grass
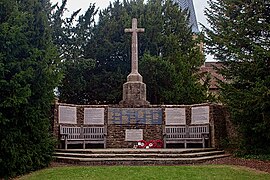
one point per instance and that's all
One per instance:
(146, 172)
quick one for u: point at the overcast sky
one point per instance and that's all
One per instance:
(73, 5)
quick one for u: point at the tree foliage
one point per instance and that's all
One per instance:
(160, 75)
(240, 37)
(167, 40)
(28, 75)
(71, 36)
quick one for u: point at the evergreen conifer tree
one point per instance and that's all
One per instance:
(28, 75)
(240, 37)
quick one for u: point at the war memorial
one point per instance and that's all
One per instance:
(135, 123)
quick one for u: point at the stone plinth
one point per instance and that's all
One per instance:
(134, 94)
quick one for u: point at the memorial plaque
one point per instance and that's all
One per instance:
(175, 116)
(200, 115)
(134, 135)
(119, 116)
(67, 115)
(94, 116)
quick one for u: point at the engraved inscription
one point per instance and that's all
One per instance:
(134, 135)
(175, 116)
(135, 116)
(67, 115)
(94, 116)
(200, 115)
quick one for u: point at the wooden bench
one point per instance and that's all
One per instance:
(187, 134)
(82, 135)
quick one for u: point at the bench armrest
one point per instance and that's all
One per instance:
(164, 134)
(64, 136)
(205, 135)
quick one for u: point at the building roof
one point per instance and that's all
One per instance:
(188, 5)
(210, 68)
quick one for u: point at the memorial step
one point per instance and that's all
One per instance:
(135, 151)
(137, 156)
(144, 155)
(137, 161)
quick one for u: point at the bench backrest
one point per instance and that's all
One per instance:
(175, 132)
(71, 132)
(93, 133)
(197, 131)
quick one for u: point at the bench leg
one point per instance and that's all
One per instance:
(185, 144)
(203, 143)
(60, 146)
(65, 143)
(164, 142)
(83, 144)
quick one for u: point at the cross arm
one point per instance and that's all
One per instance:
(129, 30)
(134, 30)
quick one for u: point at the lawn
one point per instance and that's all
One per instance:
(146, 172)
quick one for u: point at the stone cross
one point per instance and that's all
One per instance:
(134, 90)
(134, 45)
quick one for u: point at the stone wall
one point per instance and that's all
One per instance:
(218, 125)
(116, 134)
(218, 119)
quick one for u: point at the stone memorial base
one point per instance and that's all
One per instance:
(134, 95)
